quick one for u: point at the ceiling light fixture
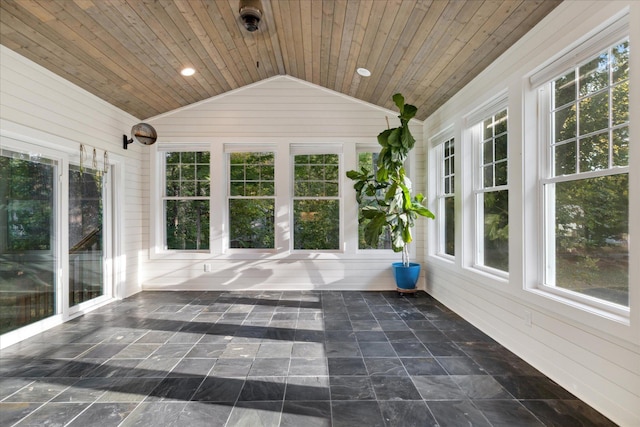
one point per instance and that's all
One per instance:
(363, 72)
(250, 13)
(188, 71)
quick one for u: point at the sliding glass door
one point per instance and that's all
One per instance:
(55, 238)
(28, 240)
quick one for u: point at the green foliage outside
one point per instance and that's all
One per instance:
(591, 134)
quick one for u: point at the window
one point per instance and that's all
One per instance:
(492, 194)
(368, 160)
(446, 199)
(186, 200)
(251, 200)
(316, 201)
(586, 188)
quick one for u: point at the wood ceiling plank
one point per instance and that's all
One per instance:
(361, 21)
(316, 40)
(138, 26)
(306, 22)
(381, 31)
(36, 47)
(326, 36)
(411, 38)
(364, 57)
(270, 53)
(183, 53)
(98, 49)
(196, 16)
(347, 48)
(339, 12)
(535, 9)
(283, 22)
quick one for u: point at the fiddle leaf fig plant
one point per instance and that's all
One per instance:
(385, 197)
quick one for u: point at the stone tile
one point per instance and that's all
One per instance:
(406, 414)
(455, 413)
(384, 366)
(533, 387)
(438, 387)
(377, 349)
(269, 367)
(255, 414)
(481, 387)
(214, 389)
(308, 414)
(356, 413)
(346, 366)
(53, 414)
(154, 414)
(351, 388)
(507, 413)
(263, 388)
(394, 388)
(103, 415)
(422, 366)
(307, 388)
(204, 414)
(460, 365)
(13, 412)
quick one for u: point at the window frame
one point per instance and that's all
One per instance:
(308, 149)
(442, 195)
(547, 190)
(243, 148)
(479, 187)
(158, 222)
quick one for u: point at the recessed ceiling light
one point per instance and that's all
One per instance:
(188, 71)
(363, 72)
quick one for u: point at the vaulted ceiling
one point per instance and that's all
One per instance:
(130, 52)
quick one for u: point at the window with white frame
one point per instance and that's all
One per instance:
(316, 200)
(251, 200)
(186, 200)
(446, 198)
(586, 182)
(492, 191)
(368, 159)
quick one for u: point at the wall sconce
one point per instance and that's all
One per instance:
(144, 133)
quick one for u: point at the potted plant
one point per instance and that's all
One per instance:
(386, 202)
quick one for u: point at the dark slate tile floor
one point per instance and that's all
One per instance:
(299, 359)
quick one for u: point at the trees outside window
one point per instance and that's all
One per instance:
(186, 200)
(587, 189)
(316, 202)
(251, 200)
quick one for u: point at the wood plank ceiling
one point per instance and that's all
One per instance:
(130, 52)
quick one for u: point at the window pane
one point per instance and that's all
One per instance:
(187, 224)
(449, 226)
(592, 237)
(501, 173)
(565, 123)
(316, 175)
(86, 277)
(620, 62)
(488, 176)
(621, 147)
(28, 251)
(594, 152)
(594, 75)
(496, 229)
(501, 148)
(565, 158)
(186, 177)
(620, 107)
(487, 152)
(565, 90)
(316, 224)
(594, 113)
(251, 223)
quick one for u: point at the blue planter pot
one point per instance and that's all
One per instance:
(406, 277)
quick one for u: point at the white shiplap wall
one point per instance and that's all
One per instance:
(594, 357)
(281, 110)
(39, 107)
